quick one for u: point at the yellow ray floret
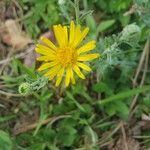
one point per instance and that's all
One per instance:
(67, 57)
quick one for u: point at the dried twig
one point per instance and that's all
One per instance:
(25, 128)
(3, 27)
(146, 48)
(10, 94)
(105, 139)
(21, 55)
(124, 137)
(132, 10)
(144, 54)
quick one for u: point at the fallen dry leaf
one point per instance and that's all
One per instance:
(25, 120)
(14, 36)
(30, 57)
(131, 143)
(49, 35)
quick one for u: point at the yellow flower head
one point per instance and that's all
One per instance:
(67, 58)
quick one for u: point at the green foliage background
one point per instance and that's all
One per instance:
(79, 116)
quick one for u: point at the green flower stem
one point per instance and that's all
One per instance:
(77, 10)
(123, 95)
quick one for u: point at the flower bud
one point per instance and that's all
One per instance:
(25, 88)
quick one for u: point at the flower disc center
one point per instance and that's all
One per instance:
(67, 56)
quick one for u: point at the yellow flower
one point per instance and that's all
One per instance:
(67, 58)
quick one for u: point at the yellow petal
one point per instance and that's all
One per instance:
(77, 36)
(46, 58)
(73, 80)
(59, 76)
(48, 42)
(72, 32)
(53, 72)
(78, 72)
(47, 65)
(44, 50)
(58, 34)
(88, 57)
(84, 33)
(72, 77)
(81, 36)
(87, 47)
(65, 35)
(41, 46)
(84, 66)
(68, 76)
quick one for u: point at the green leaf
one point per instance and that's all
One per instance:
(110, 109)
(105, 125)
(66, 135)
(70, 96)
(92, 135)
(69, 122)
(25, 69)
(146, 101)
(36, 146)
(91, 23)
(122, 95)
(122, 109)
(42, 118)
(53, 147)
(100, 87)
(6, 118)
(104, 25)
(46, 135)
(5, 141)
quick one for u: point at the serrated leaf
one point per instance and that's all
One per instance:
(66, 135)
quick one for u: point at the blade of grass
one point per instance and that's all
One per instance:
(70, 96)
(122, 95)
(26, 70)
(7, 118)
